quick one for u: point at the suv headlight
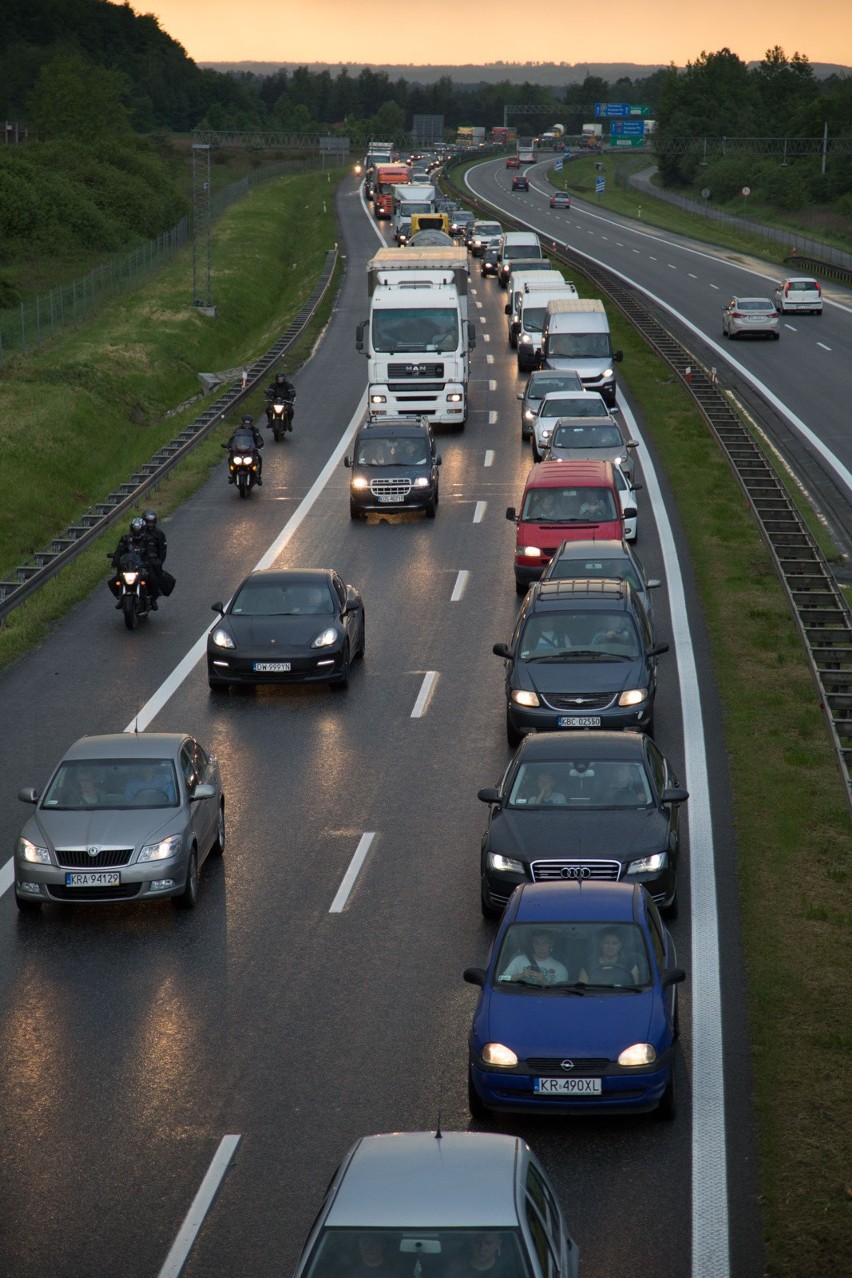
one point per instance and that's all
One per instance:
(633, 697)
(647, 864)
(522, 697)
(163, 849)
(28, 851)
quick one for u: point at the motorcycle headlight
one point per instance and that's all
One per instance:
(247, 461)
(162, 850)
(130, 578)
(325, 639)
(28, 851)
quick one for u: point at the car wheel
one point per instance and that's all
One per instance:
(474, 1102)
(513, 737)
(219, 842)
(354, 511)
(188, 898)
(342, 683)
(27, 907)
(536, 454)
(218, 685)
(520, 588)
(667, 1108)
(671, 910)
(776, 336)
(430, 508)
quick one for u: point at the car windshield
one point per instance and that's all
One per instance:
(112, 783)
(538, 387)
(575, 406)
(586, 437)
(533, 318)
(565, 568)
(579, 635)
(754, 304)
(547, 955)
(418, 1253)
(512, 251)
(579, 345)
(429, 328)
(583, 783)
(385, 451)
(567, 505)
(288, 599)
(487, 230)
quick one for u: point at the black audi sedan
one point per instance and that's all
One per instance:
(394, 464)
(595, 807)
(582, 655)
(287, 626)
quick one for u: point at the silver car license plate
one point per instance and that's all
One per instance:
(271, 667)
(94, 878)
(567, 1086)
(579, 721)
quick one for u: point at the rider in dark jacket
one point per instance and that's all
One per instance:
(247, 427)
(281, 386)
(139, 539)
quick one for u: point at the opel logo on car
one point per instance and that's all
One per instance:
(575, 872)
(92, 852)
(567, 1064)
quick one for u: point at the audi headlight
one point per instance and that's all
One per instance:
(163, 849)
(638, 1054)
(647, 864)
(498, 1054)
(28, 851)
(504, 864)
(325, 639)
(522, 697)
(221, 638)
(633, 697)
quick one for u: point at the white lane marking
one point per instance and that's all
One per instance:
(634, 250)
(710, 1256)
(348, 881)
(489, 359)
(489, 457)
(823, 345)
(691, 275)
(7, 876)
(486, 337)
(716, 286)
(792, 328)
(479, 306)
(651, 255)
(424, 694)
(201, 1204)
(492, 385)
(479, 511)
(459, 587)
(671, 266)
(492, 417)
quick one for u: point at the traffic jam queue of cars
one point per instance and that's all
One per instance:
(577, 1008)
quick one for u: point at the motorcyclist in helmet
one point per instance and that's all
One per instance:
(247, 427)
(281, 386)
(155, 533)
(138, 538)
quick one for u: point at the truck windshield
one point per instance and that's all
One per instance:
(579, 345)
(415, 329)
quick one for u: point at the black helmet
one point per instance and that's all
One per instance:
(150, 517)
(137, 526)
(248, 420)
(280, 377)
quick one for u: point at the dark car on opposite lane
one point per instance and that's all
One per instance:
(520, 183)
(560, 200)
(598, 807)
(287, 626)
(577, 1011)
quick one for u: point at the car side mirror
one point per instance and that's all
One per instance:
(438, 460)
(511, 513)
(502, 650)
(219, 607)
(359, 335)
(658, 649)
(653, 582)
(520, 395)
(507, 309)
(489, 795)
(476, 976)
(202, 792)
(516, 327)
(673, 976)
(633, 443)
(347, 462)
(674, 794)
(618, 356)
(637, 488)
(28, 795)
(630, 512)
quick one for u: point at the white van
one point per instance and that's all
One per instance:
(515, 244)
(576, 335)
(515, 287)
(532, 312)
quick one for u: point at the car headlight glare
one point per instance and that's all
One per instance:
(633, 697)
(221, 638)
(454, 398)
(546, 432)
(378, 399)
(28, 851)
(525, 339)
(647, 864)
(638, 1054)
(163, 849)
(421, 481)
(504, 864)
(325, 639)
(522, 697)
(607, 374)
(531, 552)
(498, 1054)
(360, 483)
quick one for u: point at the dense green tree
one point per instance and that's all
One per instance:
(72, 98)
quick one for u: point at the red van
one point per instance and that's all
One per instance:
(563, 501)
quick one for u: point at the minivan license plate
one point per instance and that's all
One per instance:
(390, 498)
(579, 721)
(567, 1086)
(92, 878)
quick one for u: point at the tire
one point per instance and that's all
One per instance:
(242, 484)
(474, 1103)
(355, 511)
(27, 907)
(188, 898)
(342, 683)
(129, 607)
(671, 910)
(218, 685)
(488, 911)
(363, 645)
(513, 737)
(667, 1108)
(219, 842)
(431, 508)
(536, 454)
(776, 336)
(520, 588)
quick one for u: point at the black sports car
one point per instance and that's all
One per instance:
(287, 626)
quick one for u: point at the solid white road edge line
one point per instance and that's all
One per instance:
(425, 692)
(348, 881)
(710, 1248)
(201, 1204)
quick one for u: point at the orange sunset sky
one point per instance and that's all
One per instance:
(443, 32)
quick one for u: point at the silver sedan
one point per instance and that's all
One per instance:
(751, 315)
(124, 817)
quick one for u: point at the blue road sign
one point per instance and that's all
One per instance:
(599, 185)
(627, 128)
(612, 108)
(558, 166)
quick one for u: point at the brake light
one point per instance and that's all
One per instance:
(786, 290)
(818, 288)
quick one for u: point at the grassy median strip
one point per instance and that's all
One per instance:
(791, 819)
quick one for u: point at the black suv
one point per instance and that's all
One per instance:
(394, 466)
(582, 656)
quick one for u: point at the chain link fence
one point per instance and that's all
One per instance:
(38, 319)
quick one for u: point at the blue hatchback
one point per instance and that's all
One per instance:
(578, 1007)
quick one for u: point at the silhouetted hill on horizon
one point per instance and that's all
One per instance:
(555, 74)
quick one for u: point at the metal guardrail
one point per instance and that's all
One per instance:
(44, 565)
(819, 607)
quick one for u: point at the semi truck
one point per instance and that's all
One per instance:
(387, 177)
(409, 198)
(418, 335)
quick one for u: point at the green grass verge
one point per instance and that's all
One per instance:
(791, 821)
